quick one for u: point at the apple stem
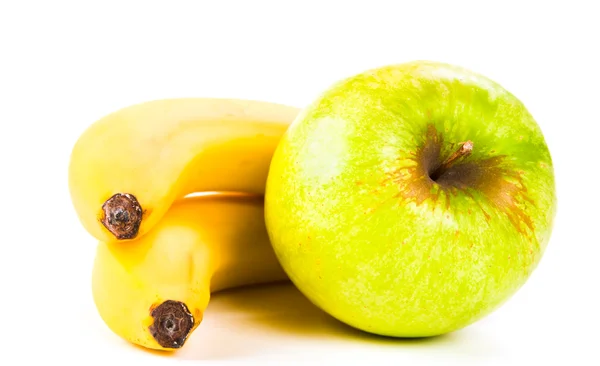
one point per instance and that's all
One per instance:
(465, 149)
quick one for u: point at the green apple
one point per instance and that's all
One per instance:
(411, 200)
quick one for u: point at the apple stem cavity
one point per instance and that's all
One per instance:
(464, 150)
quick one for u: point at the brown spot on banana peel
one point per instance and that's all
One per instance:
(502, 187)
(122, 216)
(172, 325)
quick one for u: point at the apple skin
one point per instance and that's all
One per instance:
(365, 233)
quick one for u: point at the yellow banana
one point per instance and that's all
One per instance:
(153, 291)
(127, 168)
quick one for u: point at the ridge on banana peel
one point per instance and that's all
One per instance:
(128, 167)
(153, 292)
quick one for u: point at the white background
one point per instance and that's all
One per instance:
(64, 65)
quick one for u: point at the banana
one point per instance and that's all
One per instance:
(153, 292)
(127, 168)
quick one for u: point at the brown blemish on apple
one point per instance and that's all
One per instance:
(478, 204)
(490, 177)
(447, 204)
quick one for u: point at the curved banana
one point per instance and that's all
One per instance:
(153, 292)
(127, 168)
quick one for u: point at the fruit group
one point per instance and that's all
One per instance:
(411, 200)
(153, 291)
(129, 167)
